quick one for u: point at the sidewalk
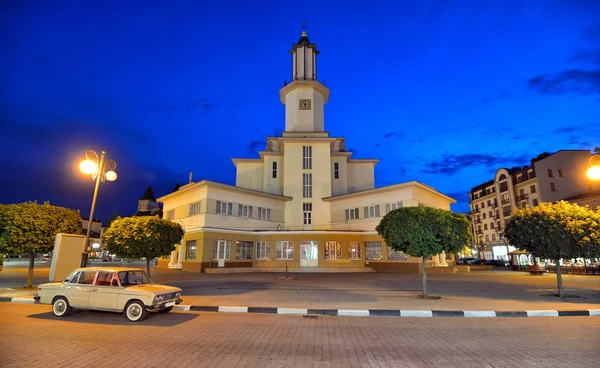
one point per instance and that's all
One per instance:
(497, 291)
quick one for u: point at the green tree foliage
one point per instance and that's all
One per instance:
(145, 236)
(425, 231)
(556, 231)
(30, 228)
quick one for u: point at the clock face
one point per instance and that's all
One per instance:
(304, 104)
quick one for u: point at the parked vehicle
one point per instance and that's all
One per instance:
(466, 260)
(116, 289)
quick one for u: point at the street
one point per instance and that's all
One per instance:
(32, 336)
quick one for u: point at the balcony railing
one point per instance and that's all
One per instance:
(475, 211)
(522, 197)
(505, 200)
(506, 214)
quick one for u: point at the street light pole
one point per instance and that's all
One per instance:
(100, 171)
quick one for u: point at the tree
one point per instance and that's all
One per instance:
(31, 228)
(423, 232)
(556, 231)
(144, 236)
(112, 218)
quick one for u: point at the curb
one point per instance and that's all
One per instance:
(364, 312)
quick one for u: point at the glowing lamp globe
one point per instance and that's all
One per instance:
(88, 167)
(594, 173)
(111, 175)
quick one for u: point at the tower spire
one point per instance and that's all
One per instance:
(304, 28)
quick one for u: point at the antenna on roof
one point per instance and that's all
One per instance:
(190, 182)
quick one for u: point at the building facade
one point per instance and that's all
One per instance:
(304, 204)
(549, 178)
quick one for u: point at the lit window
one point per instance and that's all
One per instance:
(244, 250)
(394, 255)
(333, 250)
(354, 250)
(373, 250)
(190, 249)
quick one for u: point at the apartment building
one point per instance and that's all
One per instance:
(549, 178)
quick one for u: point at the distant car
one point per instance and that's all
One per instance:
(115, 289)
(467, 260)
(107, 259)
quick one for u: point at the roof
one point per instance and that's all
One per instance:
(582, 196)
(390, 187)
(148, 194)
(214, 184)
(109, 269)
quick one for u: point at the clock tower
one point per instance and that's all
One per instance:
(304, 98)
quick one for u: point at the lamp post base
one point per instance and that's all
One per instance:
(84, 259)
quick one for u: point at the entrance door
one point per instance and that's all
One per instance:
(222, 252)
(309, 254)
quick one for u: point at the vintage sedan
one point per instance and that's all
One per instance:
(116, 289)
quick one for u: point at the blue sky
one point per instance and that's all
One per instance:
(444, 92)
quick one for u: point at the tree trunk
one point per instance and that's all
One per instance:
(148, 266)
(424, 286)
(30, 272)
(561, 293)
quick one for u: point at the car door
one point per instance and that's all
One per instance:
(78, 292)
(104, 293)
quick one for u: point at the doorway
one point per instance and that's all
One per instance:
(309, 254)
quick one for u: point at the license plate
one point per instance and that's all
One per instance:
(169, 304)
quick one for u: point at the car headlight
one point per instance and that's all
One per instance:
(159, 298)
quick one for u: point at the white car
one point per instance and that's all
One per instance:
(116, 289)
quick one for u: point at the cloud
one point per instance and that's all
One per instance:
(450, 164)
(573, 80)
(568, 129)
(392, 134)
(588, 56)
(255, 146)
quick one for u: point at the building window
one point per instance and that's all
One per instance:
(264, 213)
(224, 208)
(550, 173)
(394, 255)
(483, 215)
(492, 225)
(372, 211)
(482, 205)
(532, 188)
(224, 248)
(307, 185)
(552, 187)
(373, 250)
(307, 213)
(170, 214)
(394, 206)
(307, 157)
(333, 250)
(263, 250)
(284, 250)
(354, 250)
(336, 170)
(194, 208)
(244, 250)
(484, 226)
(190, 249)
(352, 214)
(274, 170)
(560, 173)
(505, 198)
(493, 237)
(534, 202)
(489, 203)
(421, 204)
(244, 211)
(487, 238)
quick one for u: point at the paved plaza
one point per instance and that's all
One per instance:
(496, 290)
(33, 337)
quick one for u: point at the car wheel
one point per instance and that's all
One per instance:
(135, 311)
(166, 310)
(61, 307)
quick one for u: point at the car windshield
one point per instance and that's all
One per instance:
(136, 277)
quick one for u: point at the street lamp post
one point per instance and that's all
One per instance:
(594, 171)
(99, 170)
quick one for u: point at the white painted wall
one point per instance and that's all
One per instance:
(304, 120)
(339, 186)
(361, 176)
(270, 184)
(249, 175)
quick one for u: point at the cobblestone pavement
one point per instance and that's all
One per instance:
(31, 336)
(496, 290)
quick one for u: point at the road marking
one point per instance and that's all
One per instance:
(182, 307)
(542, 313)
(594, 312)
(416, 313)
(234, 309)
(292, 311)
(353, 312)
(480, 314)
(23, 300)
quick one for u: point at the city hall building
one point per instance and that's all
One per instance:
(305, 205)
